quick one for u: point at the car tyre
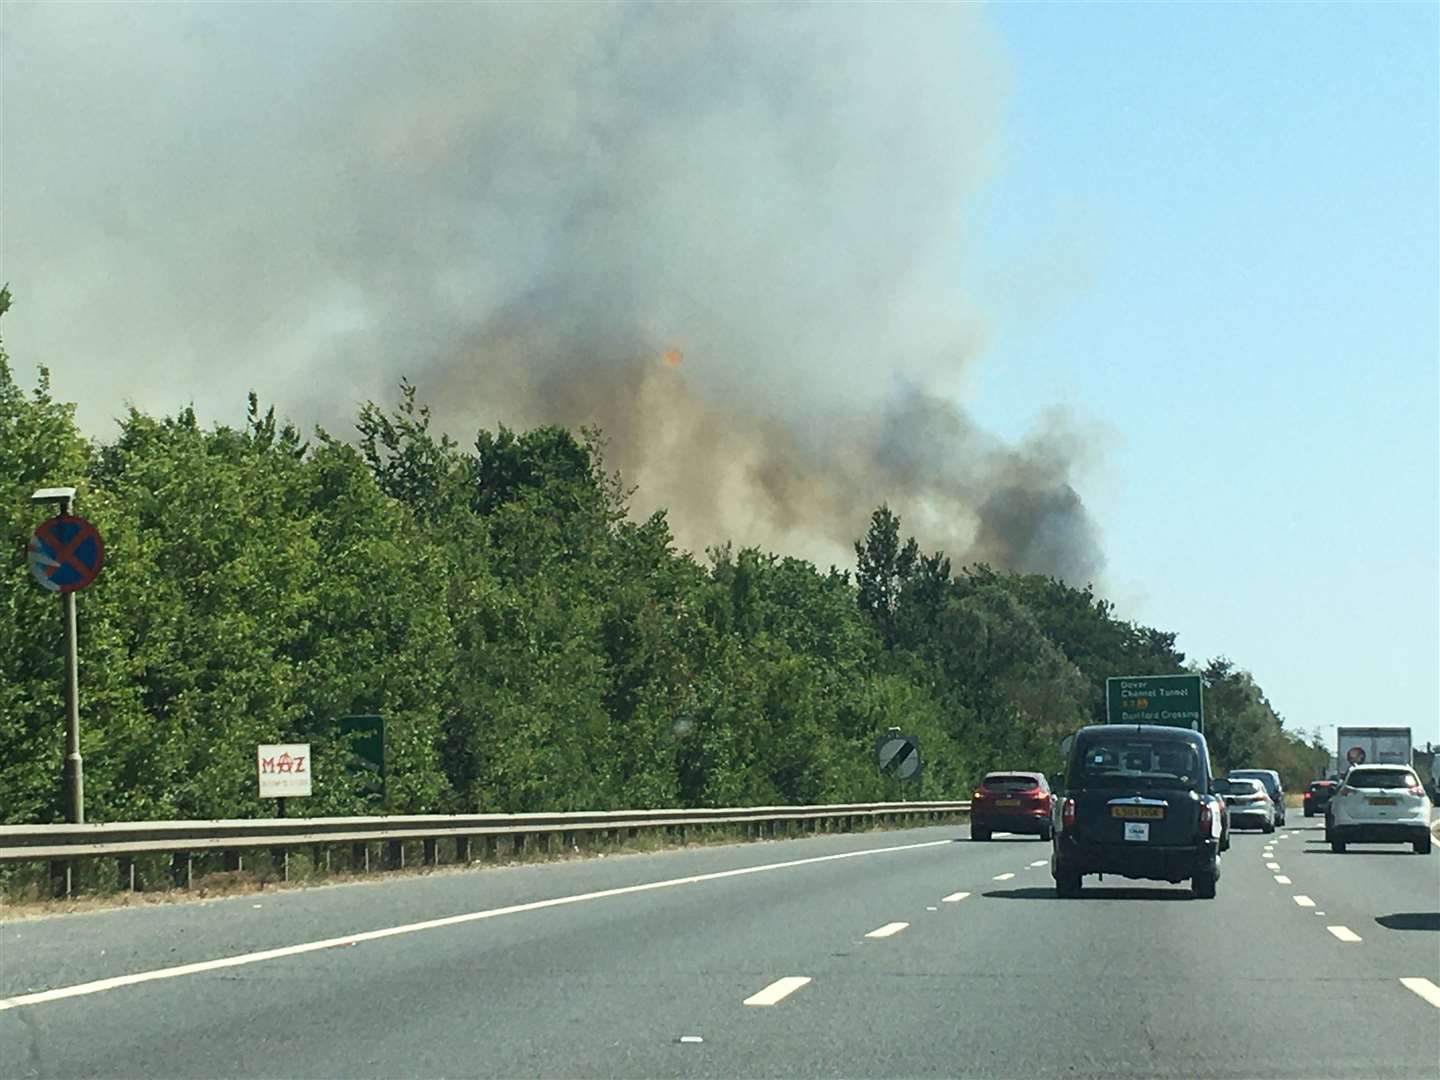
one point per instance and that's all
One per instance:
(1337, 846)
(1309, 813)
(979, 833)
(1422, 845)
(1046, 832)
(1067, 886)
(1203, 885)
(1268, 827)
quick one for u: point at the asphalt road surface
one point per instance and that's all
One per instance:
(911, 953)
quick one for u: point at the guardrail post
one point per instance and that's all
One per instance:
(360, 857)
(62, 878)
(234, 861)
(432, 852)
(319, 858)
(491, 849)
(127, 872)
(517, 845)
(182, 869)
(462, 849)
(395, 855)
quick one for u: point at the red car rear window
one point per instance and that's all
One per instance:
(1009, 783)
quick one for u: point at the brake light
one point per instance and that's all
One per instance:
(1067, 813)
(1416, 790)
(1309, 794)
(1207, 817)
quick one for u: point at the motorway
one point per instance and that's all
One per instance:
(903, 953)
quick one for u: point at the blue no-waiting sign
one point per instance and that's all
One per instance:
(65, 554)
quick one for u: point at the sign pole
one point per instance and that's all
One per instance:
(74, 763)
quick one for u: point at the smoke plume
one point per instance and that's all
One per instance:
(730, 235)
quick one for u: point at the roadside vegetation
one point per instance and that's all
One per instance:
(530, 645)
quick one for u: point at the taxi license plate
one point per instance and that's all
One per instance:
(1138, 812)
(1382, 802)
(1007, 802)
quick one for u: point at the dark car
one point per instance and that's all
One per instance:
(1018, 802)
(1138, 803)
(1317, 796)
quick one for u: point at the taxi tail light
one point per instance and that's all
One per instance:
(1067, 813)
(1207, 817)
(1416, 789)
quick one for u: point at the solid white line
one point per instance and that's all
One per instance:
(1003, 877)
(778, 991)
(1344, 933)
(242, 959)
(1272, 866)
(1041, 862)
(954, 898)
(1303, 901)
(1425, 988)
(888, 930)
(1281, 879)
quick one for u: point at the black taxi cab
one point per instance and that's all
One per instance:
(1137, 803)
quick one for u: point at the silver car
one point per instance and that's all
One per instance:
(1250, 804)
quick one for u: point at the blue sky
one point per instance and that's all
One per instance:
(1213, 239)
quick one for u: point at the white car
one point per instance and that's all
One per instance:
(1249, 803)
(1379, 804)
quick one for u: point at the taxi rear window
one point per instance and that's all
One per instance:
(1130, 762)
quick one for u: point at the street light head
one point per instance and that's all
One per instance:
(56, 494)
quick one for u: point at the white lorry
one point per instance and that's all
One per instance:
(1372, 746)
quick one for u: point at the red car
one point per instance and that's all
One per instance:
(1317, 796)
(1017, 802)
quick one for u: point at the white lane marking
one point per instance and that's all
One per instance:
(1285, 836)
(778, 991)
(1425, 988)
(932, 909)
(954, 898)
(242, 959)
(691, 1039)
(888, 930)
(1344, 933)
(1041, 862)
(1003, 877)
(1319, 913)
(1272, 866)
(1281, 879)
(1304, 901)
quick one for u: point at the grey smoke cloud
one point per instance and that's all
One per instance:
(523, 208)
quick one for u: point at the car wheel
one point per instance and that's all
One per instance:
(1309, 813)
(1422, 846)
(1203, 886)
(1337, 846)
(1046, 831)
(979, 833)
(1067, 886)
(1268, 827)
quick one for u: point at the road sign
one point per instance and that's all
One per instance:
(898, 755)
(284, 769)
(1168, 700)
(365, 736)
(65, 554)
(1355, 755)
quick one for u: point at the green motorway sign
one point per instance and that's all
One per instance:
(366, 736)
(1169, 700)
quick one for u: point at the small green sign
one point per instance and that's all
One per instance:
(1168, 700)
(365, 736)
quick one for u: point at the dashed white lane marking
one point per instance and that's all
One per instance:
(1281, 879)
(954, 898)
(242, 959)
(1319, 913)
(1003, 877)
(1303, 901)
(778, 991)
(1272, 866)
(932, 909)
(890, 929)
(692, 1039)
(1344, 933)
(1285, 836)
(1425, 988)
(1041, 862)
